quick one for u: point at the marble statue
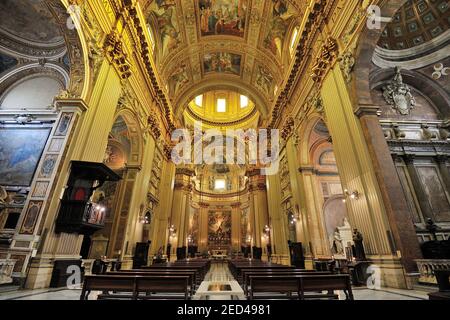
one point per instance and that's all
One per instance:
(338, 247)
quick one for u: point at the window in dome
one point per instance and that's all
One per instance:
(219, 184)
(199, 100)
(244, 101)
(221, 105)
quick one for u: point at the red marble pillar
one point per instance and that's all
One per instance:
(397, 210)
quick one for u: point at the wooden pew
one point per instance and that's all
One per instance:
(274, 272)
(163, 284)
(276, 285)
(199, 269)
(139, 272)
(300, 284)
(238, 275)
(106, 283)
(134, 285)
(329, 283)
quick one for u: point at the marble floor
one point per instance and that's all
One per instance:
(218, 273)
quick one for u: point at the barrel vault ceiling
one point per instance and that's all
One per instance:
(239, 45)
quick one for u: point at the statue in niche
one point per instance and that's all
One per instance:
(338, 248)
(358, 247)
(398, 94)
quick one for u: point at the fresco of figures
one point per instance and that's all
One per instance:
(282, 16)
(163, 14)
(222, 62)
(222, 17)
(265, 80)
(178, 79)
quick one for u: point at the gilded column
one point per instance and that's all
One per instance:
(403, 232)
(203, 227)
(369, 211)
(259, 217)
(160, 235)
(180, 207)
(236, 226)
(280, 250)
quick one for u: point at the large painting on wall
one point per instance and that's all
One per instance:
(20, 151)
(219, 228)
(222, 62)
(222, 17)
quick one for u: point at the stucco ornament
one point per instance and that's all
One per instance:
(398, 94)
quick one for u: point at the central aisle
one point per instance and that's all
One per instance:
(219, 284)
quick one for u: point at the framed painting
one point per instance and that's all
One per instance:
(222, 17)
(222, 62)
(20, 151)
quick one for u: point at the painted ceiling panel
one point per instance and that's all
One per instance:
(239, 45)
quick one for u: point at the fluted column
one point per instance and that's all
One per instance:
(299, 201)
(160, 234)
(203, 227)
(365, 166)
(278, 225)
(181, 206)
(236, 226)
(259, 217)
(314, 205)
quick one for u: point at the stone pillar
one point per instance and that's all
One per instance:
(236, 226)
(259, 217)
(422, 196)
(203, 227)
(180, 207)
(314, 204)
(367, 212)
(134, 229)
(119, 245)
(278, 225)
(402, 229)
(160, 235)
(299, 203)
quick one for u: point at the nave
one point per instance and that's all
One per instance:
(218, 274)
(300, 134)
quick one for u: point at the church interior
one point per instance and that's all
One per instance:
(332, 180)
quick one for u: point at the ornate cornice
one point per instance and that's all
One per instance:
(144, 52)
(115, 53)
(312, 25)
(324, 60)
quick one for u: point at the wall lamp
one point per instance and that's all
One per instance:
(172, 231)
(352, 195)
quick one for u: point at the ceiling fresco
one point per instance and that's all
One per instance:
(240, 45)
(32, 18)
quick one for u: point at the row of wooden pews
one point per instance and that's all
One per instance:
(263, 280)
(177, 280)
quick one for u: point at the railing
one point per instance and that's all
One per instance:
(428, 266)
(6, 270)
